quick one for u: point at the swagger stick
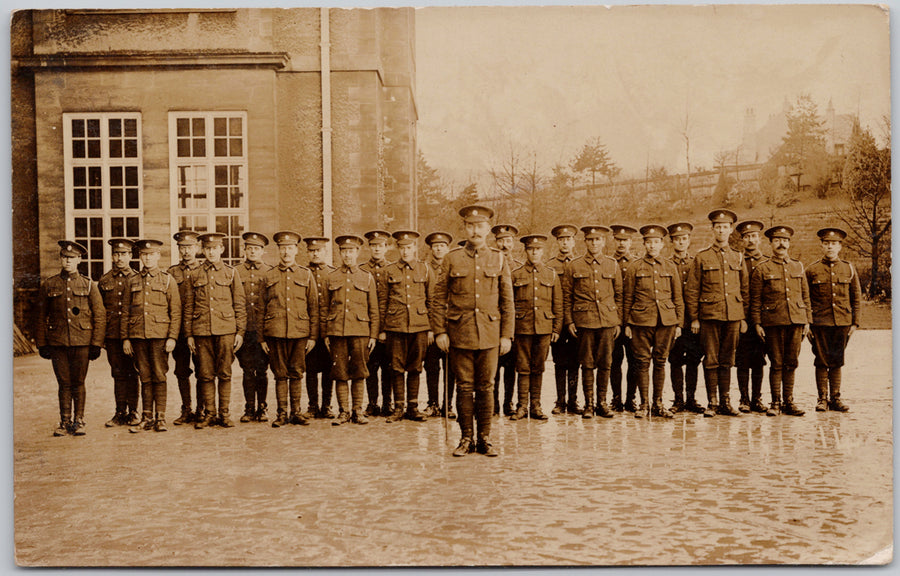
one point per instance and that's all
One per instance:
(446, 373)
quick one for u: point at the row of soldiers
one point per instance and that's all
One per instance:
(474, 306)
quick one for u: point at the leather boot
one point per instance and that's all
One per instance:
(659, 381)
(160, 424)
(78, 427)
(587, 385)
(775, 390)
(261, 415)
(327, 389)
(724, 382)
(249, 413)
(601, 383)
(836, 404)
(534, 384)
(466, 446)
(523, 398)
(559, 373)
(485, 447)
(118, 418)
(295, 388)
(397, 414)
(356, 393)
(743, 378)
(690, 389)
(225, 418)
(572, 406)
(185, 417)
(145, 424)
(711, 376)
(789, 407)
(822, 389)
(756, 378)
(413, 380)
(206, 420)
(281, 418)
(677, 376)
(63, 428)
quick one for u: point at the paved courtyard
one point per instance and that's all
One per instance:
(748, 490)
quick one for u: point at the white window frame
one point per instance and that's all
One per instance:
(208, 163)
(105, 162)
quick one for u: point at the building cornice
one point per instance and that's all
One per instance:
(163, 59)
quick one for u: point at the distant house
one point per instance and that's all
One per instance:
(136, 123)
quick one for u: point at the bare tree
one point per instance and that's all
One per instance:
(685, 131)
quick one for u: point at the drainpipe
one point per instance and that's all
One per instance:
(327, 204)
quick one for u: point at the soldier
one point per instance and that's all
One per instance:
(252, 358)
(404, 299)
(686, 350)
(181, 272)
(622, 347)
(70, 329)
(653, 309)
(289, 320)
(750, 356)
(351, 327)
(781, 312)
(378, 362)
(592, 313)
(538, 302)
(505, 237)
(473, 320)
(149, 332)
(717, 300)
(565, 348)
(215, 316)
(113, 286)
(435, 360)
(835, 295)
(318, 361)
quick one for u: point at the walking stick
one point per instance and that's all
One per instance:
(446, 373)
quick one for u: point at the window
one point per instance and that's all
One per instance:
(208, 160)
(103, 183)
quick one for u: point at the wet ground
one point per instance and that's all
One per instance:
(755, 490)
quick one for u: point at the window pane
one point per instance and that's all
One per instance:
(77, 128)
(131, 127)
(220, 127)
(79, 177)
(131, 176)
(115, 176)
(221, 197)
(221, 145)
(81, 227)
(115, 148)
(96, 270)
(95, 176)
(96, 228)
(95, 197)
(77, 148)
(132, 202)
(182, 127)
(116, 198)
(199, 148)
(198, 127)
(236, 195)
(221, 175)
(222, 224)
(83, 268)
(235, 126)
(116, 227)
(96, 248)
(237, 147)
(93, 128)
(132, 227)
(115, 128)
(131, 149)
(184, 148)
(93, 148)
(80, 197)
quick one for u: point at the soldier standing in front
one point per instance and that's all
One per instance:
(539, 316)
(252, 358)
(622, 347)
(149, 332)
(592, 313)
(113, 286)
(435, 360)
(717, 300)
(781, 313)
(215, 316)
(378, 362)
(750, 356)
(181, 273)
(834, 293)
(473, 320)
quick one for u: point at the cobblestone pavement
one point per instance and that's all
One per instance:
(754, 490)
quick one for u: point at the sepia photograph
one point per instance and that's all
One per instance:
(510, 286)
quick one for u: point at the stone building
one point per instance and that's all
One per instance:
(137, 123)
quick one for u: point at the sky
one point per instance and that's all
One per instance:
(545, 80)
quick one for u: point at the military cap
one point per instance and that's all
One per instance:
(286, 237)
(314, 242)
(148, 245)
(404, 237)
(71, 248)
(255, 239)
(594, 231)
(376, 236)
(779, 232)
(533, 240)
(653, 231)
(348, 241)
(722, 215)
(680, 229)
(185, 237)
(564, 230)
(211, 238)
(121, 244)
(438, 237)
(475, 213)
(748, 226)
(622, 232)
(504, 231)
(831, 234)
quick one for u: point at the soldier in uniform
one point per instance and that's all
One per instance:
(686, 350)
(113, 286)
(215, 316)
(435, 360)
(351, 327)
(379, 362)
(780, 311)
(70, 329)
(834, 292)
(289, 320)
(539, 316)
(622, 347)
(404, 299)
(565, 348)
(318, 360)
(592, 313)
(252, 358)
(653, 309)
(473, 320)
(505, 237)
(149, 332)
(750, 356)
(717, 300)
(188, 246)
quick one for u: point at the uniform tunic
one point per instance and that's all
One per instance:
(215, 303)
(113, 286)
(751, 351)
(289, 307)
(779, 301)
(351, 305)
(686, 349)
(538, 300)
(834, 292)
(182, 354)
